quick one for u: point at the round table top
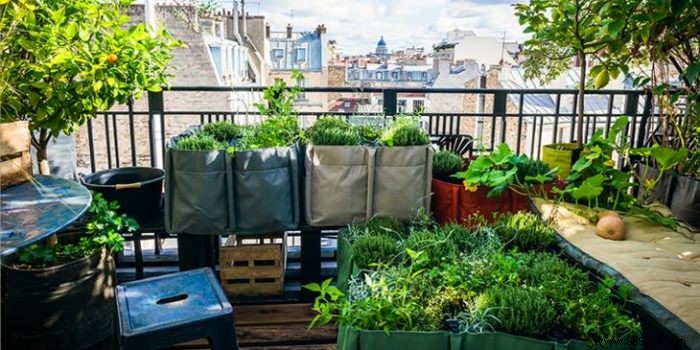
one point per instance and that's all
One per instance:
(37, 209)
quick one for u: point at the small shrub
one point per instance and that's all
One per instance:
(223, 131)
(384, 225)
(370, 249)
(404, 131)
(559, 280)
(436, 245)
(531, 168)
(446, 163)
(519, 310)
(200, 142)
(332, 131)
(525, 231)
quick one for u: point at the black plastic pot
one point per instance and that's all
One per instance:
(685, 201)
(137, 189)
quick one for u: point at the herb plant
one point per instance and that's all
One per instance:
(373, 249)
(200, 142)
(404, 131)
(519, 310)
(103, 230)
(525, 231)
(333, 131)
(223, 131)
(446, 164)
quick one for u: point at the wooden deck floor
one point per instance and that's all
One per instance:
(275, 327)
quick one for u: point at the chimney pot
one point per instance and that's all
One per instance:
(289, 31)
(267, 30)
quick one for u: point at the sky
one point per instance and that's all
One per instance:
(357, 24)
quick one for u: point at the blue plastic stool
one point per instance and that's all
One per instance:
(166, 310)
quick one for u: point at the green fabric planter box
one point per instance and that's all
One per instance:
(214, 193)
(562, 155)
(346, 265)
(351, 339)
(347, 184)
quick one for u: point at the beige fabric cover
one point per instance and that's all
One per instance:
(346, 184)
(661, 263)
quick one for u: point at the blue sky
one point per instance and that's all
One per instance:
(358, 24)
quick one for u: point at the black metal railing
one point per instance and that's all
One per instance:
(519, 117)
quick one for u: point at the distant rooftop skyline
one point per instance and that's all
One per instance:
(357, 25)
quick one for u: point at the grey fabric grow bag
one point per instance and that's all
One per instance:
(212, 192)
(346, 184)
(197, 192)
(265, 190)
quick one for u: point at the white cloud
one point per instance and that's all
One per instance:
(358, 24)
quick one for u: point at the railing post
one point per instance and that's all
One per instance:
(389, 97)
(155, 113)
(646, 113)
(499, 109)
(631, 106)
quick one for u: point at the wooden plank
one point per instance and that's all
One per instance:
(276, 335)
(280, 314)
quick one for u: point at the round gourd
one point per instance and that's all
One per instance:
(611, 227)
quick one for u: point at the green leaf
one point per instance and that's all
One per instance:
(615, 27)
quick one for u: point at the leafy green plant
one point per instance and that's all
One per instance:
(223, 131)
(369, 133)
(519, 310)
(446, 164)
(525, 231)
(435, 245)
(475, 242)
(200, 142)
(500, 170)
(333, 131)
(373, 249)
(65, 60)
(103, 230)
(404, 131)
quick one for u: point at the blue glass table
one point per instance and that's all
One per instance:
(37, 209)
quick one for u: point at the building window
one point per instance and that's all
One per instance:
(394, 75)
(401, 106)
(418, 105)
(301, 55)
(425, 76)
(277, 54)
(347, 104)
(380, 76)
(302, 84)
(216, 56)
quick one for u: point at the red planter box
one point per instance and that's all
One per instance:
(453, 203)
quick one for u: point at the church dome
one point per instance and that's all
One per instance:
(381, 41)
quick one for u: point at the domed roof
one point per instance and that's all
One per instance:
(381, 41)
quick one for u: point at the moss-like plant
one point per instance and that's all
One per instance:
(374, 249)
(519, 310)
(446, 164)
(223, 131)
(525, 231)
(404, 131)
(200, 142)
(332, 131)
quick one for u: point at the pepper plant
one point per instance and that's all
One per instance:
(67, 59)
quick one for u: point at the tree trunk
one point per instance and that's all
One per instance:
(42, 160)
(581, 89)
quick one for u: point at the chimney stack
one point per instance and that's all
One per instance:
(267, 30)
(289, 31)
(321, 30)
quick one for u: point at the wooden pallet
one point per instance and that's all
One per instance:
(253, 265)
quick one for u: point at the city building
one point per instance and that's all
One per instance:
(485, 50)
(381, 51)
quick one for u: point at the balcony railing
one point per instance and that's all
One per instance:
(527, 119)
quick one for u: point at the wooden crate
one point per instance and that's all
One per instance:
(253, 265)
(15, 161)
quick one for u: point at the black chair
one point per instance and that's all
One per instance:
(462, 145)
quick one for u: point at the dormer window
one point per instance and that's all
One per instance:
(277, 54)
(301, 54)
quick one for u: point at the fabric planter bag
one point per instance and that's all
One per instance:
(336, 184)
(685, 201)
(214, 193)
(196, 192)
(351, 339)
(265, 190)
(402, 181)
(347, 184)
(453, 203)
(560, 155)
